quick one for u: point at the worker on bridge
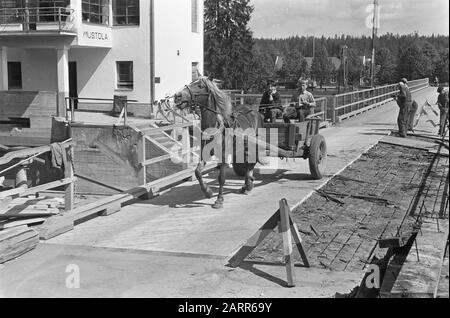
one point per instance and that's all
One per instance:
(443, 108)
(411, 106)
(404, 101)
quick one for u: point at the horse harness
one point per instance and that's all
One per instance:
(234, 115)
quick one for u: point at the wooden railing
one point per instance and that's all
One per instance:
(353, 103)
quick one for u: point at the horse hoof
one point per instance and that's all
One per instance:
(218, 205)
(244, 191)
(208, 193)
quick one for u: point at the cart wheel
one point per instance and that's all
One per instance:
(240, 169)
(318, 157)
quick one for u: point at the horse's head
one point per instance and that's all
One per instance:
(193, 94)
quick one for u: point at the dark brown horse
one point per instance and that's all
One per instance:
(216, 112)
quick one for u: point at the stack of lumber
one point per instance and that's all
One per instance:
(17, 241)
(28, 211)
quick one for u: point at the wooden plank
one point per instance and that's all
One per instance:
(15, 223)
(55, 226)
(31, 191)
(285, 230)
(16, 242)
(409, 143)
(48, 186)
(22, 154)
(155, 131)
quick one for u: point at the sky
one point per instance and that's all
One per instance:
(284, 18)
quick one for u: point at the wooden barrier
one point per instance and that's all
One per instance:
(288, 229)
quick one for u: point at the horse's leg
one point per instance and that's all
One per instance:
(250, 179)
(248, 187)
(198, 173)
(219, 203)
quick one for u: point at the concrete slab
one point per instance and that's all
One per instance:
(46, 272)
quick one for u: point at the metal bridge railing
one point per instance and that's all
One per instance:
(353, 103)
(37, 19)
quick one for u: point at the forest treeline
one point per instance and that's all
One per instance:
(241, 61)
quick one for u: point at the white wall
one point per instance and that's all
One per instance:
(96, 66)
(173, 33)
(38, 68)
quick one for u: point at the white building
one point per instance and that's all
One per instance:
(144, 49)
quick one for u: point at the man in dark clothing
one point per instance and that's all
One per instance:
(443, 108)
(271, 103)
(401, 97)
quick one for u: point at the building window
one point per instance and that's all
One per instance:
(195, 16)
(49, 11)
(126, 12)
(125, 75)
(96, 11)
(14, 75)
(195, 71)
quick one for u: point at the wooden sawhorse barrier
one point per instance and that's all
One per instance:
(282, 219)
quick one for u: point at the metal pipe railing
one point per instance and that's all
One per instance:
(351, 102)
(29, 19)
(70, 106)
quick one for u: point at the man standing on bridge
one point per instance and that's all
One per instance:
(403, 98)
(303, 107)
(443, 108)
(411, 105)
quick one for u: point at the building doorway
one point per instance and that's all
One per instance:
(73, 86)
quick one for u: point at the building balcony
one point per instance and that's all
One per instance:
(16, 21)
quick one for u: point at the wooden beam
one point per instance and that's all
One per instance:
(285, 230)
(25, 192)
(16, 242)
(156, 131)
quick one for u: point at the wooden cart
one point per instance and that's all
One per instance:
(297, 140)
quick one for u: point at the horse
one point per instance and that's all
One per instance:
(216, 111)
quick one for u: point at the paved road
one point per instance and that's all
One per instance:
(176, 245)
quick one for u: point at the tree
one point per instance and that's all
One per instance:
(228, 41)
(354, 67)
(322, 68)
(386, 67)
(415, 63)
(294, 66)
(441, 70)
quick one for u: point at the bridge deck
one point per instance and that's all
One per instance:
(182, 221)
